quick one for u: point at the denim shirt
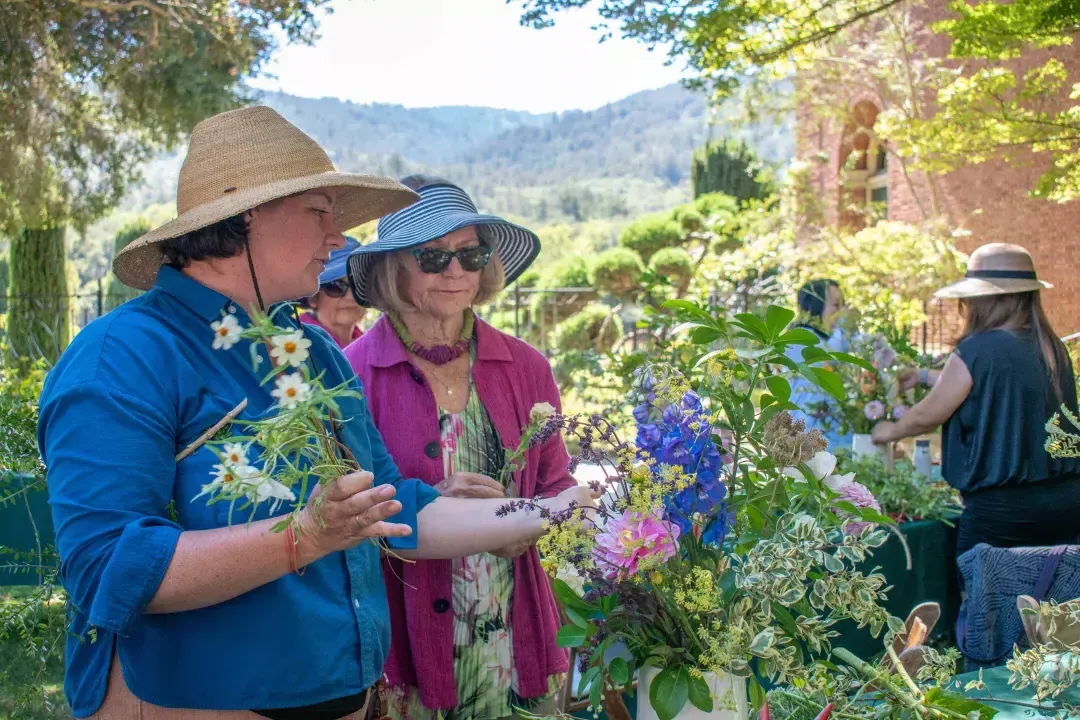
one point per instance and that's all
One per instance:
(134, 389)
(825, 416)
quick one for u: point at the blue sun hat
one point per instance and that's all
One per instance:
(335, 268)
(442, 208)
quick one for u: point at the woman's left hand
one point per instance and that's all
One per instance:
(512, 551)
(883, 432)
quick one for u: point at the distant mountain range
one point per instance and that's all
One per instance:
(623, 159)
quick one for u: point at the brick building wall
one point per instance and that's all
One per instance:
(989, 201)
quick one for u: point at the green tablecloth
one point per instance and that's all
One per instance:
(932, 577)
(997, 688)
(20, 516)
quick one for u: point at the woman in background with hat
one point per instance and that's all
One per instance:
(175, 613)
(473, 638)
(1008, 375)
(333, 308)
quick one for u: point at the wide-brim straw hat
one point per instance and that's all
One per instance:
(996, 269)
(241, 159)
(442, 209)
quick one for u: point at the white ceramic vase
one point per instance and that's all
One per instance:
(727, 688)
(862, 445)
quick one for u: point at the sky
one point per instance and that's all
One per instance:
(427, 53)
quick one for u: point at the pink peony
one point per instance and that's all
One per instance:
(856, 494)
(633, 540)
(899, 411)
(874, 410)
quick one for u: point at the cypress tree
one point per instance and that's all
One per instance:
(38, 322)
(727, 167)
(117, 292)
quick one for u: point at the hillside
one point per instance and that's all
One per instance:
(613, 163)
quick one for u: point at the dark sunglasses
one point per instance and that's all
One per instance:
(434, 260)
(336, 288)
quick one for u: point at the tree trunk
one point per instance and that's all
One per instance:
(39, 317)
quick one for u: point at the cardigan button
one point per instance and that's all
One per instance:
(442, 605)
(432, 450)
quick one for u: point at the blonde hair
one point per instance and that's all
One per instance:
(387, 272)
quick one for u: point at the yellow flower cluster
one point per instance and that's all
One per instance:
(699, 593)
(670, 390)
(563, 542)
(719, 368)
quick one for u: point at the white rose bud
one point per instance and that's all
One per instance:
(541, 412)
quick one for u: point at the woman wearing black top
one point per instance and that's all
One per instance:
(1009, 374)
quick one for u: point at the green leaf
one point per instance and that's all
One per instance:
(828, 381)
(779, 387)
(853, 360)
(757, 693)
(669, 691)
(590, 676)
(571, 636)
(576, 617)
(569, 598)
(619, 671)
(705, 336)
(699, 694)
(691, 309)
(753, 325)
(777, 318)
(813, 355)
(958, 704)
(799, 336)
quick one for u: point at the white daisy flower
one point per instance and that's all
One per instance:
(235, 454)
(226, 332)
(291, 349)
(291, 390)
(267, 488)
(227, 474)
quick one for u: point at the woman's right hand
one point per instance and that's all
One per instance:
(351, 510)
(576, 496)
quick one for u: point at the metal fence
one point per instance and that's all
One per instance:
(528, 313)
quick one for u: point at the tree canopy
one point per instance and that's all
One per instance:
(89, 89)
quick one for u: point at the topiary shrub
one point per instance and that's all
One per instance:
(528, 279)
(570, 272)
(616, 271)
(675, 264)
(592, 328)
(651, 234)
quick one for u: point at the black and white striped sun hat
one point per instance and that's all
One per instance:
(441, 209)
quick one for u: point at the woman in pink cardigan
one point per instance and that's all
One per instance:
(473, 638)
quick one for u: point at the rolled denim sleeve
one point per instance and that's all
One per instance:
(110, 476)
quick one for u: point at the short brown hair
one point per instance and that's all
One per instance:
(384, 281)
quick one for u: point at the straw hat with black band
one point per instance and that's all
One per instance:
(240, 159)
(996, 269)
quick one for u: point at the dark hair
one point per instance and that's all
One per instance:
(223, 239)
(812, 296)
(1015, 311)
(420, 181)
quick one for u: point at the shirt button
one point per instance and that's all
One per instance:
(442, 605)
(432, 450)
(232, 309)
(356, 603)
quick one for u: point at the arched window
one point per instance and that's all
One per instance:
(863, 171)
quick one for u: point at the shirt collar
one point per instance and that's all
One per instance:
(387, 350)
(207, 303)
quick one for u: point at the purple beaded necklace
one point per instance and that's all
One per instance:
(441, 354)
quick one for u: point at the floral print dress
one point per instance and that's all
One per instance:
(483, 588)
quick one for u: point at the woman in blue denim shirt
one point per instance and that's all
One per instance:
(174, 612)
(820, 304)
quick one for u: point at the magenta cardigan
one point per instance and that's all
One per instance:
(510, 377)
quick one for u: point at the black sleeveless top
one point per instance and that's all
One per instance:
(996, 436)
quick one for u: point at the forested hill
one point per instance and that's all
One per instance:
(620, 160)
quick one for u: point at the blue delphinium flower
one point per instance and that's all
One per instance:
(680, 435)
